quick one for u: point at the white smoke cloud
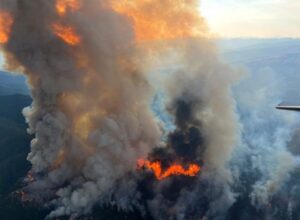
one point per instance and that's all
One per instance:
(263, 191)
(266, 134)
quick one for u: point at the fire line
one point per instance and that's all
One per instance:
(173, 170)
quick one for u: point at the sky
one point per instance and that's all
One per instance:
(250, 18)
(253, 18)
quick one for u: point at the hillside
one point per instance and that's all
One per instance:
(12, 84)
(274, 63)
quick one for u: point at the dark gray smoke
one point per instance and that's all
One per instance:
(91, 112)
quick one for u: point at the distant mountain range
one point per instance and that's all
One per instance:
(272, 62)
(245, 51)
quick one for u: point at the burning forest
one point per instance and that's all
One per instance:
(97, 141)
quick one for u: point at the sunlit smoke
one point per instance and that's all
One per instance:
(87, 63)
(62, 6)
(66, 33)
(154, 20)
(6, 21)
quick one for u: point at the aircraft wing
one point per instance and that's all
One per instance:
(289, 107)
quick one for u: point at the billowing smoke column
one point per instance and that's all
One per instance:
(86, 63)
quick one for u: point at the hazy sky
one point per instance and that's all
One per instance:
(253, 18)
(250, 18)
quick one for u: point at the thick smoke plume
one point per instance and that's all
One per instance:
(87, 64)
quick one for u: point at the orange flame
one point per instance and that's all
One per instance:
(162, 19)
(6, 21)
(67, 34)
(174, 170)
(63, 5)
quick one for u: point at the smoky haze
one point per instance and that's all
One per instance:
(90, 65)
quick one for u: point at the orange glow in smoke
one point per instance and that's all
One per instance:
(173, 170)
(62, 6)
(30, 177)
(67, 34)
(162, 19)
(6, 21)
